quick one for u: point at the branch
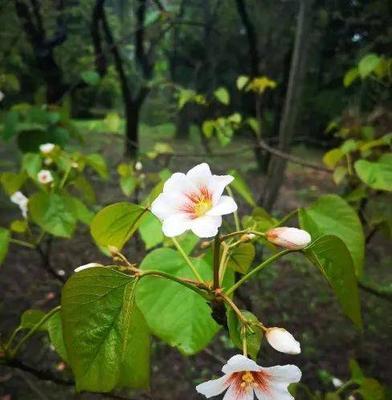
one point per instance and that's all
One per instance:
(141, 54)
(100, 59)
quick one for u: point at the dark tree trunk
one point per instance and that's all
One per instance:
(292, 103)
(132, 116)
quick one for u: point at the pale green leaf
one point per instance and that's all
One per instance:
(222, 95)
(377, 175)
(4, 243)
(368, 64)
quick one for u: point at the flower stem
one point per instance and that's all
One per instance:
(223, 262)
(34, 329)
(216, 261)
(198, 287)
(242, 232)
(187, 259)
(22, 243)
(236, 219)
(256, 270)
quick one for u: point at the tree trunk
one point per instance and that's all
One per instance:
(292, 103)
(132, 116)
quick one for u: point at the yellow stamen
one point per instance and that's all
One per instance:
(202, 207)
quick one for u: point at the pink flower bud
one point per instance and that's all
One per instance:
(289, 238)
(282, 340)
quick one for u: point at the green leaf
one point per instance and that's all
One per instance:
(339, 174)
(53, 213)
(208, 128)
(32, 164)
(332, 157)
(260, 220)
(54, 327)
(253, 339)
(222, 95)
(371, 389)
(350, 76)
(128, 184)
(368, 64)
(242, 188)
(12, 182)
(4, 243)
(80, 210)
(356, 372)
(241, 257)
(377, 175)
(106, 337)
(115, 224)
(11, 121)
(19, 226)
(90, 77)
(349, 146)
(84, 187)
(242, 81)
(331, 215)
(151, 231)
(331, 256)
(98, 163)
(174, 313)
(30, 318)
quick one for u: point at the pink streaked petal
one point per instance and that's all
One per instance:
(179, 183)
(284, 374)
(240, 363)
(167, 204)
(225, 205)
(217, 184)
(200, 174)
(214, 387)
(176, 225)
(206, 226)
(236, 392)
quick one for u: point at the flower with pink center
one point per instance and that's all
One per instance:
(193, 201)
(243, 379)
(45, 176)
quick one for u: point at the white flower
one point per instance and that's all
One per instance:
(21, 200)
(86, 266)
(45, 176)
(282, 340)
(337, 382)
(2, 95)
(194, 201)
(138, 166)
(243, 379)
(290, 238)
(47, 148)
(48, 161)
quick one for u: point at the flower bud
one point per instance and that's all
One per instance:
(86, 266)
(247, 237)
(289, 238)
(138, 166)
(282, 340)
(205, 244)
(46, 148)
(337, 382)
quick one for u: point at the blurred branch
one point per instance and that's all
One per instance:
(377, 290)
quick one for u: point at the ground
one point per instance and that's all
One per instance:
(293, 294)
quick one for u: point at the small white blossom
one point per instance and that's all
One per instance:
(74, 164)
(193, 201)
(45, 176)
(138, 166)
(282, 340)
(337, 382)
(47, 148)
(289, 238)
(243, 379)
(48, 161)
(86, 266)
(2, 95)
(22, 201)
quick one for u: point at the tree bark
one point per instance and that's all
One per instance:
(292, 103)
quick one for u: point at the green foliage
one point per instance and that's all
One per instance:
(115, 224)
(242, 188)
(253, 334)
(177, 315)
(332, 257)
(106, 338)
(331, 215)
(241, 257)
(150, 231)
(377, 175)
(4, 243)
(222, 95)
(90, 77)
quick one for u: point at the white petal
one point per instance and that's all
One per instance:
(214, 387)
(217, 184)
(284, 374)
(225, 205)
(167, 204)
(87, 266)
(234, 394)
(206, 226)
(200, 174)
(274, 392)
(239, 363)
(283, 341)
(176, 225)
(179, 183)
